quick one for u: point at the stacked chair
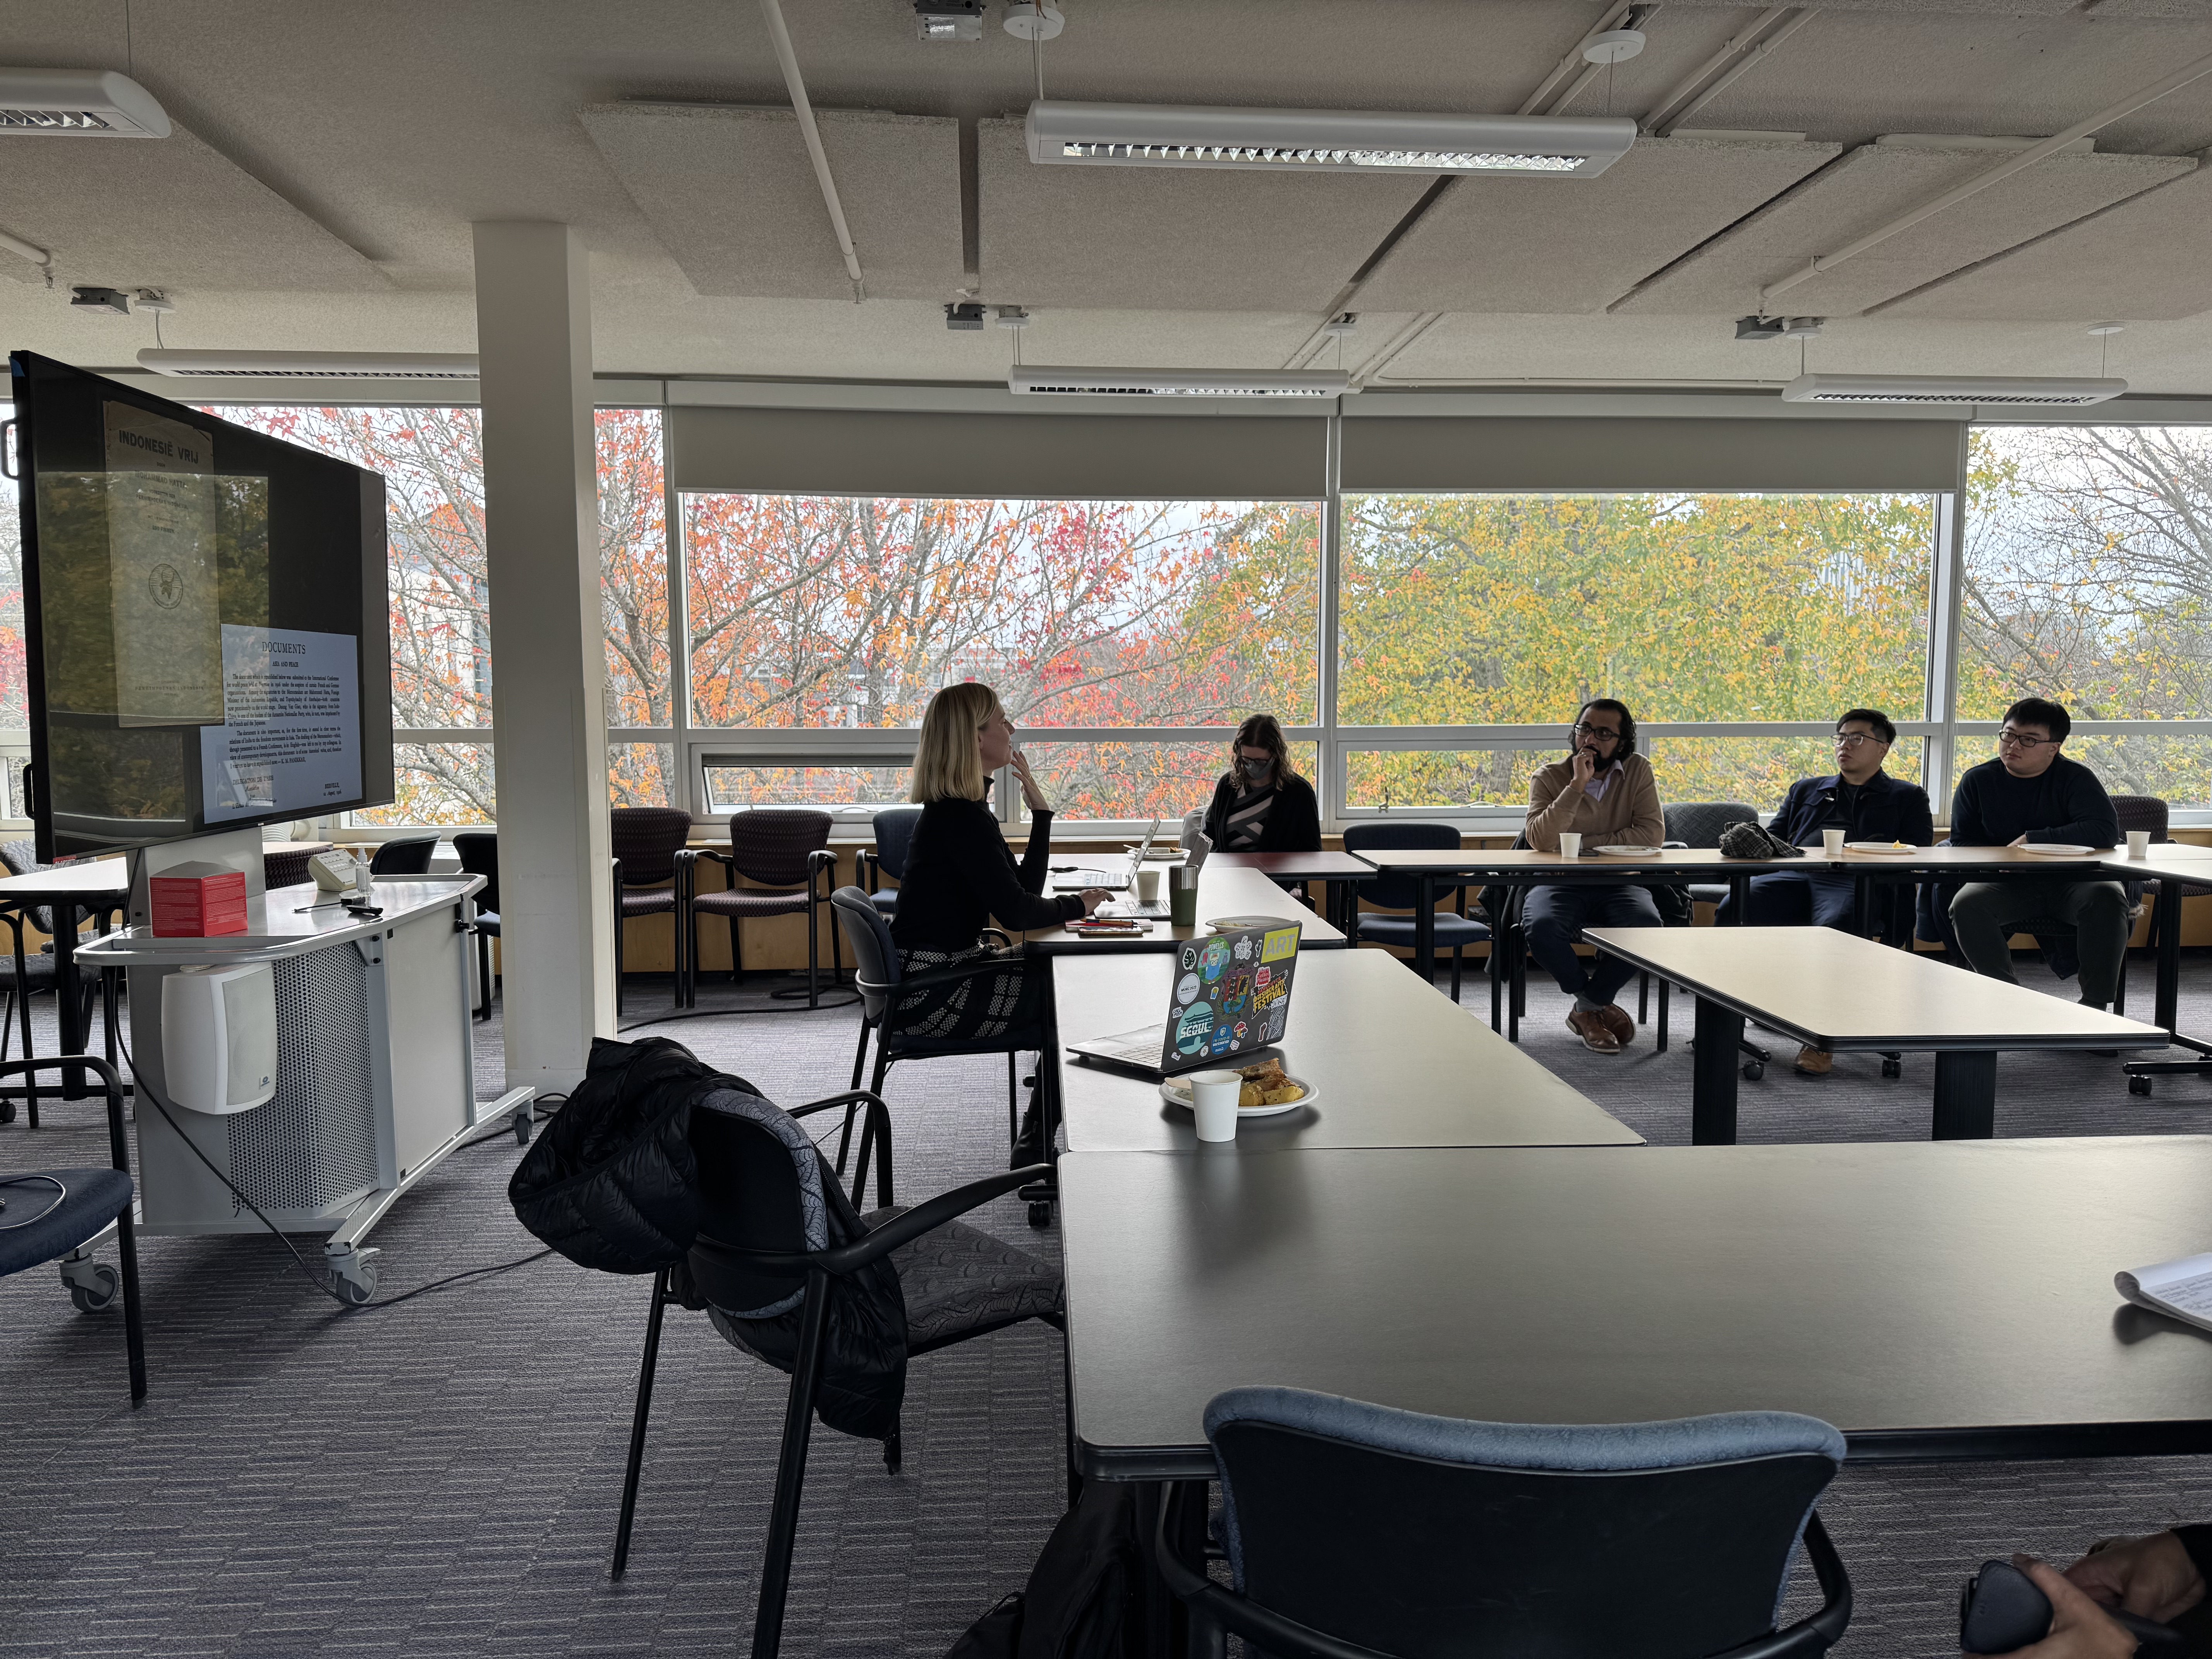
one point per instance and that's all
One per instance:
(648, 845)
(784, 853)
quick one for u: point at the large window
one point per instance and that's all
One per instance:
(2088, 578)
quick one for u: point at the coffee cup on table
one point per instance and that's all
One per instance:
(2138, 843)
(1148, 886)
(1570, 844)
(1213, 1104)
(1832, 843)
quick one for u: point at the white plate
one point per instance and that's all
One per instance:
(1625, 852)
(1224, 924)
(1176, 1092)
(1158, 854)
(2058, 850)
(1880, 849)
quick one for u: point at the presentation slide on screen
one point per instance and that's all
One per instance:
(290, 737)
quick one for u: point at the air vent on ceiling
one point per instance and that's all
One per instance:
(2055, 391)
(1174, 383)
(78, 104)
(314, 365)
(1066, 132)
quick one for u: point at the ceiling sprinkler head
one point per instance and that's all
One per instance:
(1802, 328)
(1614, 47)
(1012, 316)
(1025, 22)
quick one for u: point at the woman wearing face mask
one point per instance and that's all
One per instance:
(1261, 805)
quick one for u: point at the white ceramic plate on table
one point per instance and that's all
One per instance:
(1157, 855)
(2058, 850)
(1889, 849)
(1225, 924)
(1625, 852)
(1176, 1092)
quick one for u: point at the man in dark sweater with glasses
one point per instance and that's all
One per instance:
(2031, 794)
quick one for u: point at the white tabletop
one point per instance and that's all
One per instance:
(289, 922)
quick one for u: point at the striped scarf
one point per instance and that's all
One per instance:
(1248, 818)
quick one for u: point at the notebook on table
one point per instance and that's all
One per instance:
(2181, 1289)
(1231, 995)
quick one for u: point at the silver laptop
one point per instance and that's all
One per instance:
(1231, 995)
(1075, 881)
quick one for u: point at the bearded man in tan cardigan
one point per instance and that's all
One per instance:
(1604, 792)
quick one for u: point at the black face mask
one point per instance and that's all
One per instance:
(1256, 773)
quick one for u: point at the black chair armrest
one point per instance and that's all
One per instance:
(900, 1229)
(1284, 1637)
(936, 976)
(1005, 939)
(865, 872)
(875, 1132)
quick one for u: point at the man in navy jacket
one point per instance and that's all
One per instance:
(1859, 798)
(2032, 794)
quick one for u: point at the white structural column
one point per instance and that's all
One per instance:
(549, 657)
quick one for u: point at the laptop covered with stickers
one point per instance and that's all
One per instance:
(1231, 995)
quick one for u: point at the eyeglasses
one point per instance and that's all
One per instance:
(2019, 741)
(1853, 739)
(1584, 729)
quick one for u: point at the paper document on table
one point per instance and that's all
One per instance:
(2182, 1289)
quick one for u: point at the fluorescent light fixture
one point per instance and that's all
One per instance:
(1174, 383)
(1322, 140)
(78, 104)
(2055, 391)
(315, 365)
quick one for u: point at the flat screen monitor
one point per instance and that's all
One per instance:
(207, 631)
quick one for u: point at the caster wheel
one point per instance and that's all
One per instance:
(6, 1111)
(1752, 1071)
(1040, 1213)
(1893, 1069)
(99, 1295)
(522, 1127)
(2138, 1085)
(353, 1276)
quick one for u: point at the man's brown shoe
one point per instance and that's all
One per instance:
(1591, 1028)
(1814, 1062)
(1617, 1022)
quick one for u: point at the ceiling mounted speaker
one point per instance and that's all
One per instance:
(1174, 383)
(1066, 133)
(2055, 391)
(78, 104)
(315, 365)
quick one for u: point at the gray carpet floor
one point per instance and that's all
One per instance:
(441, 1476)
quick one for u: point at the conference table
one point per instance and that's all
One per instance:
(1829, 989)
(1392, 1062)
(1336, 871)
(1230, 890)
(2176, 866)
(74, 891)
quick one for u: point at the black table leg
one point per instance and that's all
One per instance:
(69, 994)
(1425, 928)
(2165, 921)
(1712, 1087)
(1740, 906)
(1860, 905)
(1965, 1095)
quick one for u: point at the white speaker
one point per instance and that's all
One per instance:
(218, 1038)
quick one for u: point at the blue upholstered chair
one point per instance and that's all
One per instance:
(55, 1215)
(1454, 931)
(1355, 1531)
(894, 832)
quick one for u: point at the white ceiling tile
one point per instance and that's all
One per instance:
(1868, 188)
(1174, 238)
(732, 194)
(169, 213)
(1577, 245)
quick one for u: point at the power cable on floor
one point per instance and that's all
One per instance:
(145, 1093)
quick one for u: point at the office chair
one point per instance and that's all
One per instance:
(1356, 1531)
(409, 855)
(27, 974)
(648, 844)
(1699, 824)
(784, 849)
(57, 1215)
(790, 1272)
(894, 833)
(881, 986)
(479, 852)
(1454, 930)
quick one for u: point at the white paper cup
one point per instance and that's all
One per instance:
(1148, 886)
(2138, 843)
(1832, 843)
(1213, 1104)
(1570, 844)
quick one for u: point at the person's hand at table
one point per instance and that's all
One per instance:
(2151, 1576)
(1092, 898)
(2020, 840)
(2079, 1627)
(1032, 797)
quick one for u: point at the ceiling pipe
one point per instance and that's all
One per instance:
(1573, 60)
(1404, 336)
(805, 111)
(1695, 78)
(1750, 61)
(30, 251)
(2193, 70)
